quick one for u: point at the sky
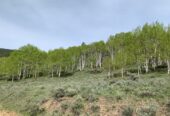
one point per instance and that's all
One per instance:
(50, 24)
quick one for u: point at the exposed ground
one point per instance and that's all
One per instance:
(88, 95)
(8, 113)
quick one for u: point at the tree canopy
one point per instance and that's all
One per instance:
(144, 48)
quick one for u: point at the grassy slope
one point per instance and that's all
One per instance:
(151, 88)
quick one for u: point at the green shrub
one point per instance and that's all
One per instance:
(57, 113)
(133, 77)
(152, 76)
(87, 94)
(64, 106)
(119, 95)
(42, 87)
(112, 82)
(127, 111)
(95, 71)
(59, 93)
(77, 108)
(147, 111)
(34, 110)
(168, 107)
(146, 94)
(90, 97)
(95, 108)
(79, 98)
(70, 92)
(128, 90)
(117, 75)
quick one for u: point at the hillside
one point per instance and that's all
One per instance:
(88, 95)
(5, 52)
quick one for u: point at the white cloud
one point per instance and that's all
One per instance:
(54, 23)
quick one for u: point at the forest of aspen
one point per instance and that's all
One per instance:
(127, 75)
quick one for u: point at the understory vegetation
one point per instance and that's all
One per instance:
(88, 94)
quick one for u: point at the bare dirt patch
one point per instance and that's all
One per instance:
(107, 108)
(8, 113)
(52, 104)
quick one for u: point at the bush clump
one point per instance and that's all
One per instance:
(64, 106)
(64, 93)
(57, 113)
(77, 107)
(127, 111)
(70, 92)
(90, 97)
(146, 94)
(95, 108)
(134, 77)
(147, 111)
(34, 110)
(112, 82)
(59, 93)
(128, 90)
(168, 107)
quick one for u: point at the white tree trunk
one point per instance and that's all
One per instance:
(24, 72)
(80, 65)
(154, 63)
(100, 60)
(83, 61)
(122, 71)
(146, 66)
(52, 73)
(19, 74)
(66, 68)
(35, 75)
(109, 73)
(154, 66)
(72, 68)
(59, 72)
(159, 60)
(139, 70)
(12, 78)
(91, 64)
(168, 66)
